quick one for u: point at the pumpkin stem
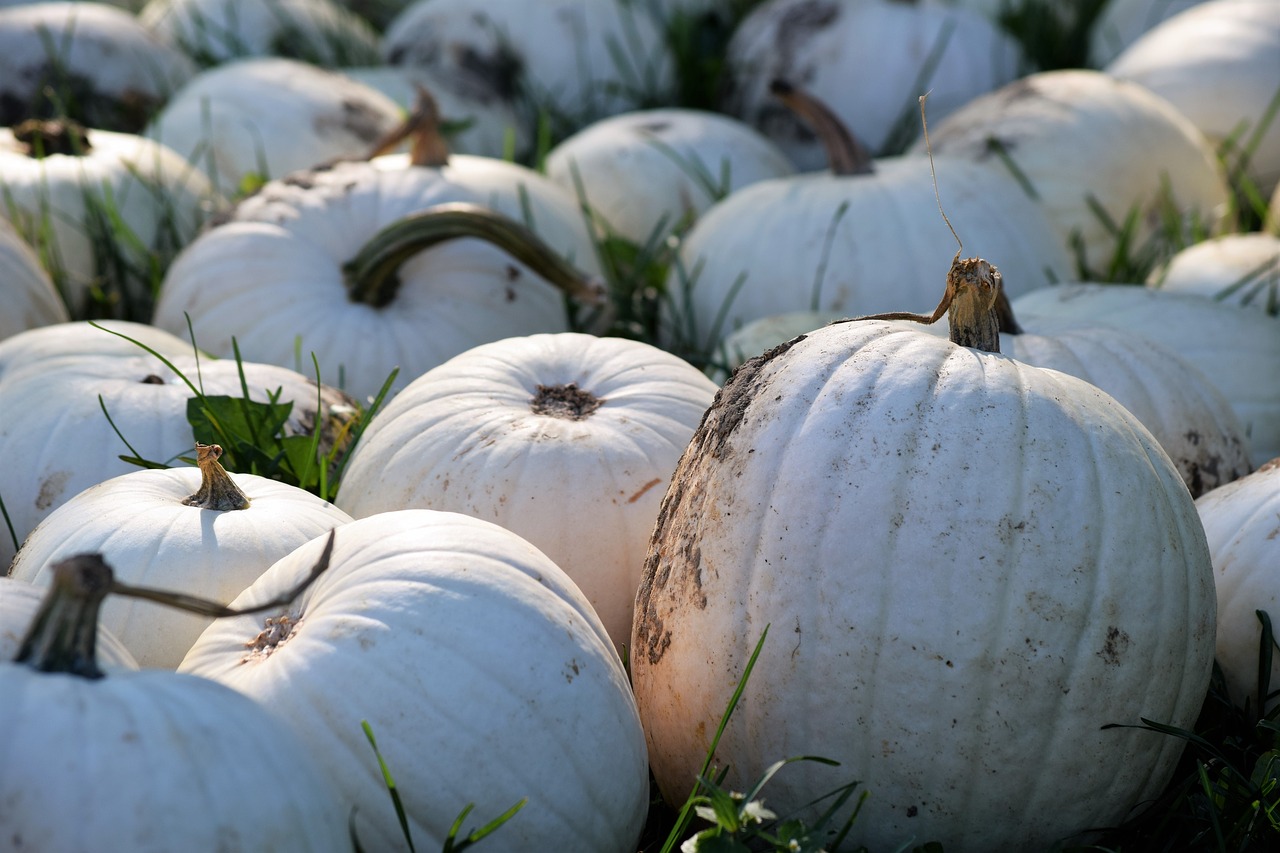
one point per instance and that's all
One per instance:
(845, 154)
(42, 137)
(372, 276)
(218, 491)
(972, 303)
(63, 636)
(422, 126)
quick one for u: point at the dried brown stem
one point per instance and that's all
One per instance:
(845, 154)
(218, 491)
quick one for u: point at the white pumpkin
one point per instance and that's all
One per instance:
(498, 431)
(29, 296)
(473, 125)
(1084, 140)
(1218, 63)
(1241, 521)
(202, 532)
(850, 245)
(577, 60)
(968, 567)
(56, 440)
(47, 346)
(145, 760)
(19, 603)
(837, 48)
(279, 276)
(255, 119)
(646, 172)
(322, 32)
(1236, 348)
(1241, 269)
(98, 64)
(1121, 22)
(482, 670)
(104, 209)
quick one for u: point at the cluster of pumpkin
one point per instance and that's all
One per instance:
(977, 537)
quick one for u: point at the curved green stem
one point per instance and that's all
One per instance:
(373, 274)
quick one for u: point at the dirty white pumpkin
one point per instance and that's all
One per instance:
(321, 32)
(144, 760)
(103, 208)
(262, 118)
(482, 670)
(498, 431)
(1240, 269)
(1218, 63)
(48, 346)
(577, 60)
(357, 265)
(837, 48)
(891, 506)
(644, 173)
(29, 296)
(1242, 523)
(1236, 347)
(200, 531)
(1095, 151)
(90, 61)
(57, 441)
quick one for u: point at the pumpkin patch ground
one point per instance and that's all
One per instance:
(630, 426)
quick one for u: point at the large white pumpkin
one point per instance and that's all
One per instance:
(567, 440)
(30, 298)
(968, 567)
(145, 760)
(104, 209)
(255, 119)
(1094, 150)
(1218, 63)
(482, 670)
(870, 60)
(278, 277)
(200, 531)
(1236, 347)
(1240, 269)
(1242, 523)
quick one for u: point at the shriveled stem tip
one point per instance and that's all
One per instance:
(218, 491)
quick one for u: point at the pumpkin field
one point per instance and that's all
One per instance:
(639, 426)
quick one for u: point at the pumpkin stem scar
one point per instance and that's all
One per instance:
(565, 401)
(218, 491)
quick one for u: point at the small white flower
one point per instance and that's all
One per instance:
(793, 845)
(690, 845)
(755, 811)
(706, 813)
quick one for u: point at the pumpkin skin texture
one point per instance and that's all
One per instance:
(481, 668)
(48, 346)
(154, 761)
(495, 432)
(141, 526)
(1237, 348)
(1242, 523)
(969, 566)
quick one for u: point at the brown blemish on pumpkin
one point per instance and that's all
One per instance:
(565, 401)
(51, 488)
(151, 379)
(1116, 643)
(672, 574)
(358, 119)
(643, 489)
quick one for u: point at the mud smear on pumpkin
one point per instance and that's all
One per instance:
(672, 574)
(357, 119)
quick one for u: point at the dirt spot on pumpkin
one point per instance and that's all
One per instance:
(357, 119)
(1116, 644)
(51, 488)
(565, 401)
(644, 489)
